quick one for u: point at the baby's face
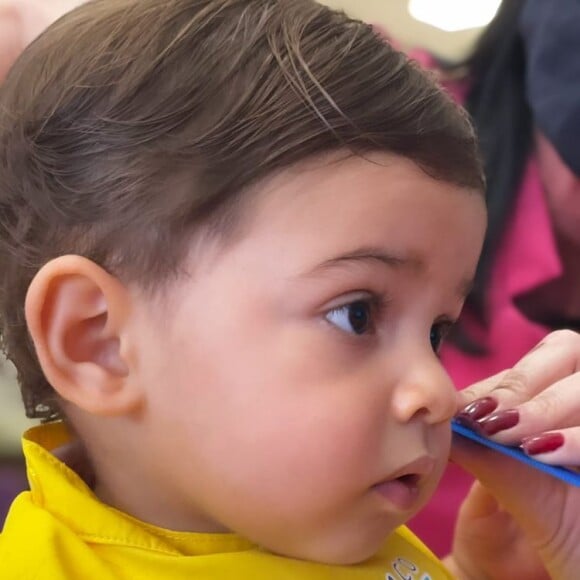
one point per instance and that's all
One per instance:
(294, 391)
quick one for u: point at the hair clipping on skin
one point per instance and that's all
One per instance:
(569, 476)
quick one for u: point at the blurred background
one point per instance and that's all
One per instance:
(446, 28)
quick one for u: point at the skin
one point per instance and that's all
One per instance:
(246, 385)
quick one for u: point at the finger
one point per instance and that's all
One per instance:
(560, 447)
(557, 407)
(478, 503)
(533, 498)
(488, 543)
(480, 389)
(554, 358)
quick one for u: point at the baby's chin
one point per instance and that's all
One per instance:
(356, 544)
(339, 549)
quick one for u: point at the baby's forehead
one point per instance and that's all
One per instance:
(318, 171)
(343, 194)
(339, 170)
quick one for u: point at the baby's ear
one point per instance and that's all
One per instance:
(77, 316)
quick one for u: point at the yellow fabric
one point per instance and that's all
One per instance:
(61, 531)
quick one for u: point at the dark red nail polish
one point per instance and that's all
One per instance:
(466, 421)
(499, 421)
(542, 443)
(478, 409)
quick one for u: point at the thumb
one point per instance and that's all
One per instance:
(533, 498)
(488, 543)
(482, 526)
(479, 503)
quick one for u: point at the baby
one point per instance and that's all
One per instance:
(233, 234)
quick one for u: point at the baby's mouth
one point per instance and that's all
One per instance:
(404, 488)
(402, 492)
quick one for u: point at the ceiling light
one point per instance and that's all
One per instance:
(454, 15)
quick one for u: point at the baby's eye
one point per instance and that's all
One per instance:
(438, 333)
(354, 318)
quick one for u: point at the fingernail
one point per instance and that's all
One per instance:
(466, 421)
(544, 443)
(477, 409)
(499, 421)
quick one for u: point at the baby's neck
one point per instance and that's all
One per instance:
(75, 457)
(139, 490)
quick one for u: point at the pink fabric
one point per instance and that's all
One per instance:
(528, 258)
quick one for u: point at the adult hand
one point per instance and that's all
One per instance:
(521, 514)
(535, 404)
(21, 21)
(489, 544)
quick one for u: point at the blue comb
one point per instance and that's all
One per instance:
(563, 473)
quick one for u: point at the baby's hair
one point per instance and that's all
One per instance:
(129, 125)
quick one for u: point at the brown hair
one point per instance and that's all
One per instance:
(130, 122)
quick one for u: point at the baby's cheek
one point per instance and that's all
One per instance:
(338, 453)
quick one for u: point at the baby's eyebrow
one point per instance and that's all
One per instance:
(369, 254)
(391, 260)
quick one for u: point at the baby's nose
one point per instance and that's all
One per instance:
(425, 391)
